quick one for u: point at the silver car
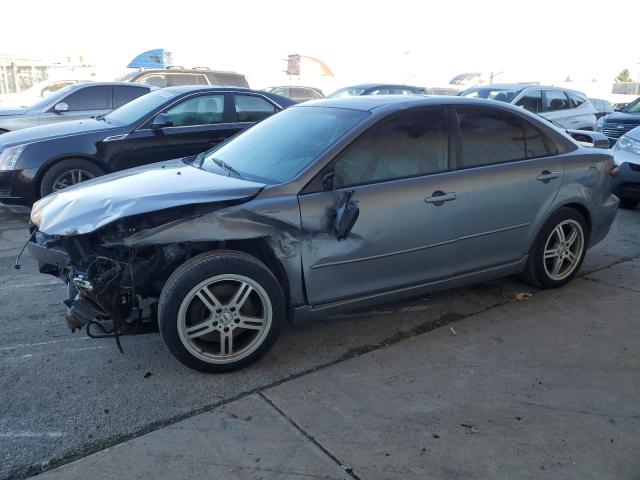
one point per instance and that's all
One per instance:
(329, 205)
(78, 101)
(568, 108)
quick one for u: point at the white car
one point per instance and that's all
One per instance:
(568, 108)
(626, 154)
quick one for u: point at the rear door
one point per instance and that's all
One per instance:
(557, 107)
(405, 233)
(510, 176)
(86, 102)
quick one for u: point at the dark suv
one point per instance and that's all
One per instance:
(174, 76)
(618, 123)
(172, 122)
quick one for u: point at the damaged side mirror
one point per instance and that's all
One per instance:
(344, 215)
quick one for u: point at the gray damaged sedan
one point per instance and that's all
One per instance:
(329, 205)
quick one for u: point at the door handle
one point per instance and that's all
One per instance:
(439, 197)
(546, 176)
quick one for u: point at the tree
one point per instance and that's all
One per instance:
(624, 76)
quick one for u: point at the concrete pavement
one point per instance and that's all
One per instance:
(544, 388)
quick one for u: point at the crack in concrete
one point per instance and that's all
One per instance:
(309, 437)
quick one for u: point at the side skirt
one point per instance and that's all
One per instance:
(312, 312)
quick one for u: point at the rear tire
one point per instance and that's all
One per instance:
(628, 204)
(558, 250)
(221, 311)
(68, 172)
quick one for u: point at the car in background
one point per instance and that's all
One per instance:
(616, 124)
(603, 107)
(169, 123)
(568, 108)
(626, 154)
(73, 102)
(297, 93)
(178, 76)
(376, 89)
(290, 219)
(36, 92)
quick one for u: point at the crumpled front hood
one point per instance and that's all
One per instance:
(91, 205)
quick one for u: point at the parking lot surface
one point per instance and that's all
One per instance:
(64, 396)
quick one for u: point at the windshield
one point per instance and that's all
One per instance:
(347, 92)
(139, 107)
(633, 107)
(499, 94)
(280, 147)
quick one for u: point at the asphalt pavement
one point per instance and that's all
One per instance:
(64, 396)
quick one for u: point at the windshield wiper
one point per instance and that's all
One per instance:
(226, 166)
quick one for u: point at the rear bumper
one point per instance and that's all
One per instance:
(627, 183)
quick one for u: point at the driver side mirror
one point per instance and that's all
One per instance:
(589, 138)
(344, 215)
(61, 107)
(161, 121)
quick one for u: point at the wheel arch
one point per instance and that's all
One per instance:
(54, 161)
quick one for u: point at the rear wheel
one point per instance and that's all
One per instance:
(220, 311)
(66, 173)
(628, 204)
(558, 250)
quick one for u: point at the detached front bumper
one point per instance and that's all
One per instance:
(627, 183)
(51, 260)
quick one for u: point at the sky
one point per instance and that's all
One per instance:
(416, 42)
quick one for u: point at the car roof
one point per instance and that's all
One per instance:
(373, 102)
(373, 85)
(83, 83)
(523, 86)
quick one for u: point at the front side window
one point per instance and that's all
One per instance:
(556, 100)
(283, 145)
(537, 143)
(200, 110)
(159, 80)
(347, 92)
(89, 98)
(252, 109)
(379, 91)
(139, 108)
(412, 144)
(489, 137)
(532, 101)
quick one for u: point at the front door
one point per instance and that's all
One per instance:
(87, 102)
(404, 235)
(510, 176)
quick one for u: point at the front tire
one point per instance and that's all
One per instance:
(220, 311)
(66, 173)
(628, 204)
(559, 249)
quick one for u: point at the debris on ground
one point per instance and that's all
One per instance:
(453, 331)
(516, 296)
(471, 428)
(148, 374)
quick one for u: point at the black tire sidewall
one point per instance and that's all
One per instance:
(199, 269)
(536, 266)
(53, 172)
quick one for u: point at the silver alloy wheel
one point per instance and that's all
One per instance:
(563, 250)
(71, 177)
(224, 318)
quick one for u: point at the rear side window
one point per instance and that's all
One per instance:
(125, 94)
(489, 137)
(175, 79)
(409, 145)
(556, 100)
(532, 101)
(252, 109)
(576, 100)
(89, 98)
